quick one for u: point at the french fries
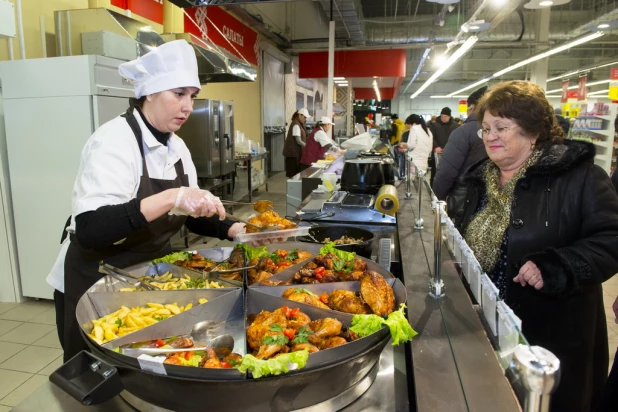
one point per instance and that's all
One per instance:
(168, 282)
(126, 320)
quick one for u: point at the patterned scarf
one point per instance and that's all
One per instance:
(485, 232)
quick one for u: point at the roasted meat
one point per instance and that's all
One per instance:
(261, 326)
(324, 328)
(377, 293)
(298, 321)
(237, 258)
(349, 335)
(269, 219)
(210, 360)
(298, 296)
(359, 265)
(259, 277)
(181, 343)
(351, 276)
(232, 358)
(302, 346)
(331, 342)
(326, 260)
(268, 351)
(301, 255)
(347, 301)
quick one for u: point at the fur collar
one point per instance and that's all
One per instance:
(555, 160)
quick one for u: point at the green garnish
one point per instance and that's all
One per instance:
(302, 335)
(173, 257)
(275, 327)
(273, 366)
(275, 340)
(303, 290)
(400, 328)
(118, 322)
(292, 256)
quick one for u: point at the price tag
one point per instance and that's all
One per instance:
(490, 297)
(507, 333)
(475, 282)
(152, 364)
(464, 265)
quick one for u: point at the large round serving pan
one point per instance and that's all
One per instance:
(362, 248)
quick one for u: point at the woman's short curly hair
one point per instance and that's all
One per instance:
(526, 104)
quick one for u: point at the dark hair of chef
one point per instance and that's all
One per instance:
(136, 185)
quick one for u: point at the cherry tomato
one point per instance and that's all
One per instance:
(289, 333)
(290, 313)
(188, 355)
(319, 270)
(324, 297)
(294, 312)
(283, 253)
(285, 310)
(225, 365)
(159, 343)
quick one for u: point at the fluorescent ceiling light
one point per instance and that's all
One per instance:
(599, 92)
(377, 89)
(469, 87)
(448, 97)
(439, 60)
(550, 52)
(449, 62)
(603, 26)
(546, 3)
(338, 78)
(585, 69)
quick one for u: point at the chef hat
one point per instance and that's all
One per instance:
(326, 120)
(167, 67)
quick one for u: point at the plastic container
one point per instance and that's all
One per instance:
(329, 180)
(280, 235)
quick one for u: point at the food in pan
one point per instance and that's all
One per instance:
(267, 264)
(344, 240)
(376, 296)
(197, 262)
(271, 220)
(288, 329)
(204, 359)
(168, 282)
(125, 320)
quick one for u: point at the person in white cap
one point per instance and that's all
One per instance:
(318, 143)
(295, 142)
(136, 185)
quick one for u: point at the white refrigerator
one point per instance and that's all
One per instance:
(50, 108)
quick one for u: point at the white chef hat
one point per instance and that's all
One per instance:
(326, 120)
(167, 67)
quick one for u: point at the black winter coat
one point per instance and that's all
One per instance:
(441, 131)
(464, 149)
(565, 220)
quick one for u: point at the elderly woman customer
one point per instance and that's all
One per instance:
(542, 220)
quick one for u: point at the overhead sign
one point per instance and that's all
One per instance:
(565, 91)
(613, 75)
(148, 9)
(224, 30)
(581, 88)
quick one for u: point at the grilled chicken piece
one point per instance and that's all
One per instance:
(303, 297)
(310, 265)
(347, 301)
(351, 277)
(271, 282)
(211, 360)
(261, 276)
(359, 265)
(349, 335)
(232, 276)
(237, 258)
(332, 342)
(232, 358)
(181, 343)
(377, 293)
(299, 321)
(324, 328)
(302, 346)
(268, 351)
(302, 256)
(261, 326)
(325, 260)
(173, 360)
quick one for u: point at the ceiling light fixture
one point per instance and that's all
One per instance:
(468, 44)
(377, 89)
(539, 4)
(546, 3)
(550, 52)
(603, 26)
(439, 60)
(577, 86)
(582, 70)
(598, 92)
(338, 78)
(448, 97)
(469, 87)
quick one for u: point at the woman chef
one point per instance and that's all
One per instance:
(318, 143)
(136, 185)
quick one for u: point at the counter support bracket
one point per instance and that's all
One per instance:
(539, 371)
(436, 285)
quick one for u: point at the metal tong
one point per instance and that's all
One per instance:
(259, 228)
(124, 276)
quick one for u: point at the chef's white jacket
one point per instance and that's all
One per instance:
(110, 170)
(419, 146)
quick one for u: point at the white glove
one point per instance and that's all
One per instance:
(236, 229)
(340, 152)
(197, 203)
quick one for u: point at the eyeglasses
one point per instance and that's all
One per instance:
(500, 131)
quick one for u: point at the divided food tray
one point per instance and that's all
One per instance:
(281, 235)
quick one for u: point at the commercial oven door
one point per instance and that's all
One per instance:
(227, 142)
(200, 133)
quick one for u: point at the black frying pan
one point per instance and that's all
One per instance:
(320, 233)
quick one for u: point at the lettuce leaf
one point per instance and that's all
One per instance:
(398, 324)
(274, 366)
(341, 254)
(173, 257)
(253, 252)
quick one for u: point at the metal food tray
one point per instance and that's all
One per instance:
(287, 274)
(399, 290)
(280, 235)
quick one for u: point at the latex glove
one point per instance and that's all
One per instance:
(529, 274)
(197, 203)
(236, 229)
(340, 152)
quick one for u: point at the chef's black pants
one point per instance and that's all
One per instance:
(292, 166)
(59, 304)
(609, 399)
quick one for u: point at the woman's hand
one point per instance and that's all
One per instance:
(529, 274)
(403, 146)
(197, 203)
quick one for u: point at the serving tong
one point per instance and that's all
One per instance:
(124, 276)
(259, 206)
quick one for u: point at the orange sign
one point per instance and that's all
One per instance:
(565, 91)
(613, 74)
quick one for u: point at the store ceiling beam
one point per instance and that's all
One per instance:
(258, 25)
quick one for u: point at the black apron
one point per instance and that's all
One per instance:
(81, 265)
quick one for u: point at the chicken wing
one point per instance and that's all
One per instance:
(347, 301)
(261, 326)
(377, 293)
(302, 346)
(324, 328)
(299, 320)
(212, 360)
(331, 342)
(304, 297)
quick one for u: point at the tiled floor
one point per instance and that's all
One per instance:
(29, 346)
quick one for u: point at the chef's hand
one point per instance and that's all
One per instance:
(438, 150)
(340, 152)
(529, 274)
(236, 229)
(615, 307)
(197, 203)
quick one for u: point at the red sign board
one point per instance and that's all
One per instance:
(581, 88)
(613, 75)
(565, 91)
(224, 30)
(148, 9)
(572, 94)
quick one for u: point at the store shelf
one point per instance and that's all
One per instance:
(595, 116)
(589, 130)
